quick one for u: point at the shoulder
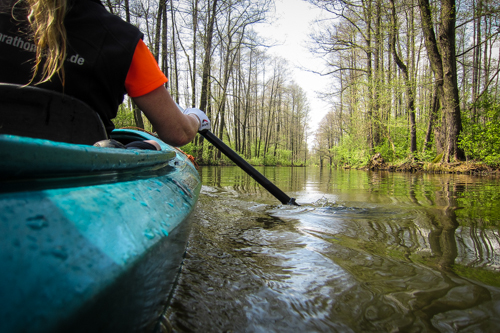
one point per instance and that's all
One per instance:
(92, 14)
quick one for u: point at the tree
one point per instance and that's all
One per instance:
(207, 42)
(442, 56)
(213, 57)
(409, 89)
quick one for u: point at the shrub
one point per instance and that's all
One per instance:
(124, 117)
(480, 139)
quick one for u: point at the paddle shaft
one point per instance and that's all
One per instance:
(233, 156)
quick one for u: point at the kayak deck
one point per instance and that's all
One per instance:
(24, 157)
(95, 242)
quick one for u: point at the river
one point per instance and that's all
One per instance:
(365, 252)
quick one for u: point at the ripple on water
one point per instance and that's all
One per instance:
(322, 267)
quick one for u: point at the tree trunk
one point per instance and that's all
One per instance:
(158, 39)
(378, 73)
(164, 48)
(434, 55)
(207, 58)
(367, 13)
(246, 111)
(434, 110)
(450, 85)
(175, 85)
(476, 57)
(409, 90)
(138, 116)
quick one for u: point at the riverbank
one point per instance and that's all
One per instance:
(472, 168)
(377, 162)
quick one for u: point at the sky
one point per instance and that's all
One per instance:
(290, 26)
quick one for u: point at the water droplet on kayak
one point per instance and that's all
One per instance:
(144, 204)
(165, 232)
(37, 222)
(79, 288)
(59, 252)
(149, 234)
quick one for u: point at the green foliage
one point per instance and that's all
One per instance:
(189, 149)
(428, 156)
(124, 117)
(256, 161)
(398, 147)
(395, 145)
(353, 151)
(385, 149)
(284, 157)
(270, 160)
(480, 139)
(437, 158)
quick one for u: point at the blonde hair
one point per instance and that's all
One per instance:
(46, 18)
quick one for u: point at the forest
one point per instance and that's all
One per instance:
(412, 80)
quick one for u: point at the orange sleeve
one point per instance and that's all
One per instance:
(144, 75)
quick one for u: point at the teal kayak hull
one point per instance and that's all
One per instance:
(91, 238)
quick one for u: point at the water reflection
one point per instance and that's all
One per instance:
(366, 252)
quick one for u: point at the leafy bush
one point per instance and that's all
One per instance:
(353, 151)
(387, 151)
(284, 157)
(256, 161)
(124, 117)
(481, 139)
(429, 156)
(270, 160)
(189, 149)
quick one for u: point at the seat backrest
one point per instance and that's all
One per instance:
(44, 114)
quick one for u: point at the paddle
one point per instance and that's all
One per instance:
(233, 156)
(273, 189)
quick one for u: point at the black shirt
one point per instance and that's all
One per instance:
(100, 47)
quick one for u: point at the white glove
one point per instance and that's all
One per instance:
(204, 121)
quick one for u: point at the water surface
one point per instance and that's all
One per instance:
(365, 252)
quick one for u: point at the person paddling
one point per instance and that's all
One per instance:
(78, 48)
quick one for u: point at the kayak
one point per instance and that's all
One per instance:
(92, 239)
